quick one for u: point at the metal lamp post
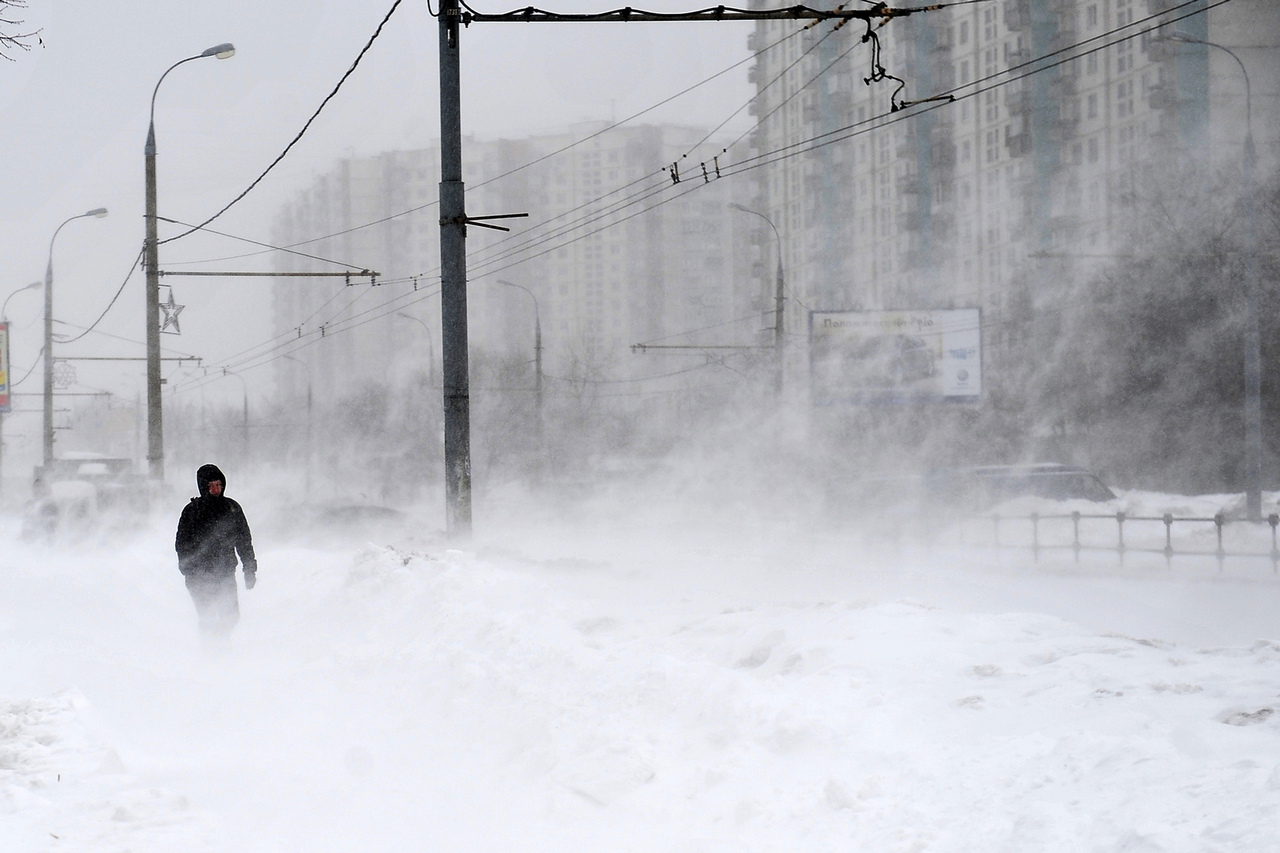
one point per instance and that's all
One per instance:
(98, 213)
(155, 422)
(537, 353)
(244, 387)
(4, 318)
(307, 468)
(4, 310)
(778, 293)
(1252, 336)
(431, 357)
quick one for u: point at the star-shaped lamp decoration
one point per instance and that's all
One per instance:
(171, 310)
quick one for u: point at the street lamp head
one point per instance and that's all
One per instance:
(97, 212)
(226, 50)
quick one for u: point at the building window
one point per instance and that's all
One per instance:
(1124, 99)
(1093, 105)
(1124, 56)
(1093, 150)
(964, 33)
(1091, 64)
(1091, 15)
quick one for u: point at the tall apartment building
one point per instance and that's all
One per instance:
(948, 204)
(612, 252)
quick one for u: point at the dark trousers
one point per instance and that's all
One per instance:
(216, 602)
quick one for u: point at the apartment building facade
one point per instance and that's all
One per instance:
(612, 254)
(957, 201)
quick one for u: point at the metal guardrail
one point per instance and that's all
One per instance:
(1219, 521)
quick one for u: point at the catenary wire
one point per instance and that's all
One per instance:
(271, 248)
(879, 122)
(975, 85)
(538, 160)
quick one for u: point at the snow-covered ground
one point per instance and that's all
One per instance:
(658, 679)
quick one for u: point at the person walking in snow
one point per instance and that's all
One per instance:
(211, 531)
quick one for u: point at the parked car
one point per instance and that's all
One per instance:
(957, 491)
(987, 485)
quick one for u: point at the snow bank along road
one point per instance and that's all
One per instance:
(414, 698)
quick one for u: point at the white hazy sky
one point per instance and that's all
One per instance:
(73, 120)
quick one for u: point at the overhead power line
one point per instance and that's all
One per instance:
(536, 161)
(1035, 66)
(29, 371)
(298, 136)
(968, 90)
(974, 88)
(119, 290)
(877, 12)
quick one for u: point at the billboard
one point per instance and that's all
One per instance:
(5, 406)
(895, 356)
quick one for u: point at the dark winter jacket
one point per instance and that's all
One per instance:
(212, 530)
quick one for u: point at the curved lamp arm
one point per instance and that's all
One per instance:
(226, 50)
(1248, 89)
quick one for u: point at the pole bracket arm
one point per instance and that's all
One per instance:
(479, 222)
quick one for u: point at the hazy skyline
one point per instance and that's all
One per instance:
(75, 119)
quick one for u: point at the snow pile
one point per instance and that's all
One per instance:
(61, 788)
(560, 700)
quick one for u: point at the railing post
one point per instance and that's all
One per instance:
(1075, 545)
(1274, 520)
(1035, 537)
(1218, 521)
(1168, 540)
(1120, 533)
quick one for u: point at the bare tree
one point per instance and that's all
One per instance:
(12, 36)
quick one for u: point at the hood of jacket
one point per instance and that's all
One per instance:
(206, 474)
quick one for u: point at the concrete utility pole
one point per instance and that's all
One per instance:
(151, 260)
(454, 220)
(453, 282)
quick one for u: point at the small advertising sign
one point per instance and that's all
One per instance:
(4, 369)
(895, 356)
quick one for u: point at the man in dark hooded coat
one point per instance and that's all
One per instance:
(211, 531)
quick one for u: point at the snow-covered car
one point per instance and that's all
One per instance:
(984, 486)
